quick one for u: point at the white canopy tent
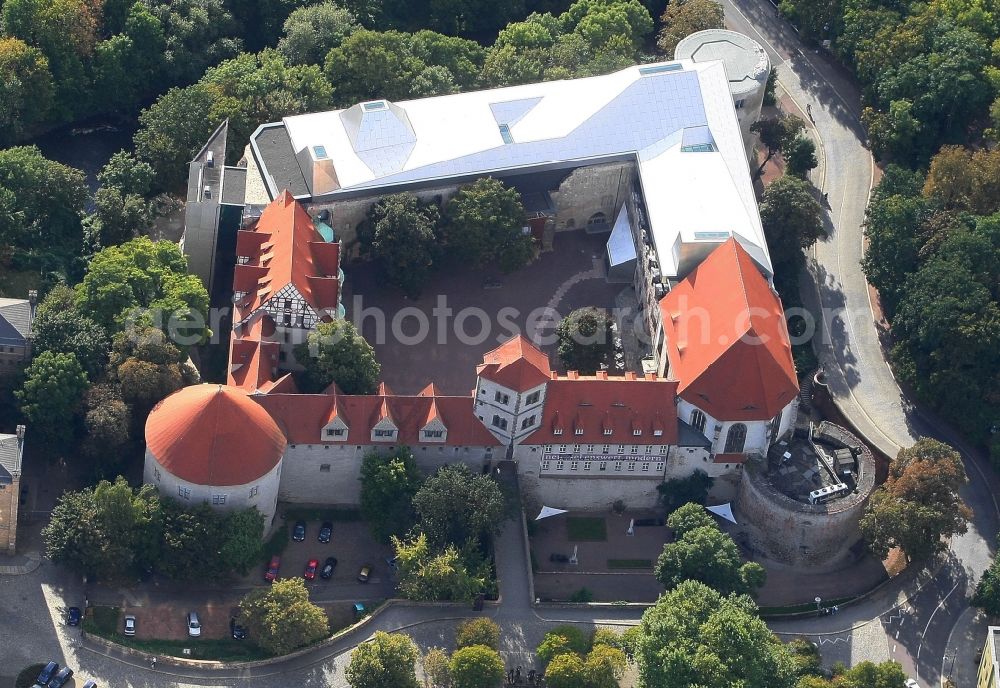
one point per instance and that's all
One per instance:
(549, 511)
(724, 511)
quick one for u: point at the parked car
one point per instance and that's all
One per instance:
(912, 683)
(365, 572)
(90, 684)
(329, 566)
(73, 616)
(556, 558)
(310, 572)
(325, 532)
(64, 675)
(129, 624)
(271, 572)
(299, 531)
(47, 672)
(237, 631)
(193, 624)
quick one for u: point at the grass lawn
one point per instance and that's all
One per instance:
(586, 529)
(630, 563)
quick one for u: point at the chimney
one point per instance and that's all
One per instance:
(20, 433)
(650, 376)
(573, 374)
(602, 375)
(32, 297)
(630, 375)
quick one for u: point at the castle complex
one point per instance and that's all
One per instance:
(652, 155)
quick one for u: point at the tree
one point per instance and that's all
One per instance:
(388, 483)
(243, 531)
(964, 180)
(172, 130)
(895, 133)
(385, 661)
(919, 504)
(695, 636)
(50, 397)
(142, 279)
(25, 89)
(604, 666)
(456, 506)
(399, 233)
(806, 656)
(145, 367)
(561, 640)
(708, 555)
(125, 172)
(433, 576)
(684, 17)
(108, 422)
(585, 340)
(199, 33)
(436, 668)
(483, 225)
(776, 134)
(800, 156)
(68, 331)
(310, 32)
(676, 492)
(566, 671)
(478, 631)
(336, 353)
(476, 666)
(688, 518)
(870, 675)
(116, 218)
(791, 217)
(987, 595)
(281, 618)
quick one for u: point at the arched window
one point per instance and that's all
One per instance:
(597, 220)
(736, 438)
(698, 421)
(774, 428)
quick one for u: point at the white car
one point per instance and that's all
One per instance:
(129, 624)
(193, 624)
(912, 683)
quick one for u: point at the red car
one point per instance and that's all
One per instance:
(272, 569)
(310, 572)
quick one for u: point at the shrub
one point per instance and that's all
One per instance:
(480, 631)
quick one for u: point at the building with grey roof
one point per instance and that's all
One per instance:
(17, 316)
(11, 455)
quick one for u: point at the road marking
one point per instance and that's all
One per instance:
(936, 610)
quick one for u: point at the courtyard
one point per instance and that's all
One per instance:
(470, 311)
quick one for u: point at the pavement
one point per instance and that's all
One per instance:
(926, 634)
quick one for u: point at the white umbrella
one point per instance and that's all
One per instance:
(549, 511)
(723, 510)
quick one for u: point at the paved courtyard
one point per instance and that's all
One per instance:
(616, 568)
(487, 306)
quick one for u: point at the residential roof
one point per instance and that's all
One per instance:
(727, 343)
(282, 249)
(10, 458)
(213, 435)
(675, 120)
(302, 417)
(15, 321)
(253, 360)
(516, 364)
(608, 410)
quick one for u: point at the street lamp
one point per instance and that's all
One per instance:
(819, 601)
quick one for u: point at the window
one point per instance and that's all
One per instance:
(774, 427)
(385, 433)
(573, 465)
(739, 103)
(645, 466)
(559, 464)
(547, 449)
(324, 468)
(545, 465)
(659, 467)
(736, 438)
(434, 434)
(183, 492)
(621, 448)
(597, 220)
(502, 398)
(578, 431)
(562, 448)
(499, 422)
(634, 449)
(590, 449)
(698, 421)
(505, 134)
(254, 491)
(618, 465)
(663, 449)
(218, 499)
(156, 473)
(603, 465)
(659, 69)
(586, 465)
(532, 398)
(605, 449)
(329, 432)
(607, 431)
(576, 448)
(557, 431)
(527, 422)
(636, 433)
(338, 432)
(649, 449)
(631, 465)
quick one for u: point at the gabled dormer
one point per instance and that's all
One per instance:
(336, 428)
(384, 429)
(433, 428)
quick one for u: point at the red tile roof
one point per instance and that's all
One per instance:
(593, 405)
(213, 435)
(726, 339)
(729, 458)
(284, 248)
(302, 417)
(516, 364)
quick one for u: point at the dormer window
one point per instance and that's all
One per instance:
(578, 431)
(433, 434)
(607, 431)
(657, 433)
(637, 432)
(385, 434)
(557, 431)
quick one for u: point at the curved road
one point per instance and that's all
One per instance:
(925, 623)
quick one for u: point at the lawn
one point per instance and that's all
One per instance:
(586, 529)
(630, 563)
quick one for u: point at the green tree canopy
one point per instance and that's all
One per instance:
(562, 640)
(476, 666)
(385, 661)
(388, 483)
(433, 576)
(800, 156)
(199, 33)
(483, 225)
(792, 219)
(68, 331)
(987, 595)
(604, 666)
(311, 31)
(585, 340)
(677, 492)
(708, 555)
(400, 234)
(478, 631)
(919, 504)
(337, 353)
(777, 134)
(108, 423)
(455, 506)
(694, 636)
(25, 89)
(281, 618)
(566, 670)
(50, 397)
(689, 517)
(682, 18)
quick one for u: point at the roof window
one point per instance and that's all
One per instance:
(320, 152)
(699, 148)
(505, 134)
(661, 68)
(375, 106)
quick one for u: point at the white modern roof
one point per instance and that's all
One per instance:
(676, 119)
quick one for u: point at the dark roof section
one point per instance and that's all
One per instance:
(282, 171)
(15, 321)
(234, 185)
(200, 174)
(687, 436)
(10, 458)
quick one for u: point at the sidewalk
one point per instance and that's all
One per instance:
(961, 660)
(19, 564)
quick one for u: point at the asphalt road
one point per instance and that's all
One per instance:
(922, 633)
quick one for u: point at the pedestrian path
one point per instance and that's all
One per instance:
(20, 564)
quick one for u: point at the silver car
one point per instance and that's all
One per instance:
(193, 624)
(129, 624)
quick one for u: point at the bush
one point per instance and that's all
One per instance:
(582, 595)
(477, 666)
(609, 637)
(26, 679)
(480, 631)
(560, 640)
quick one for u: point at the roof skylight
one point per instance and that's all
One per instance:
(374, 106)
(505, 134)
(660, 69)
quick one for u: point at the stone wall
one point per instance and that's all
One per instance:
(793, 532)
(590, 190)
(8, 515)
